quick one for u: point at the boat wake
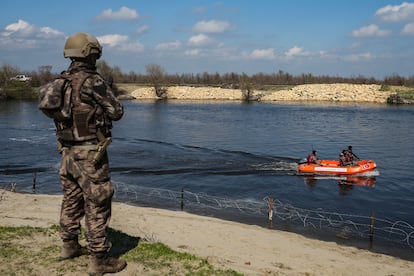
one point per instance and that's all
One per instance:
(369, 174)
(22, 169)
(165, 158)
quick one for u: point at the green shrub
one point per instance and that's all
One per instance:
(384, 87)
(17, 90)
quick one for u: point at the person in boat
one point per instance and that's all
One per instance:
(351, 157)
(343, 160)
(313, 159)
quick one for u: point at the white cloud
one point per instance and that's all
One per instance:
(199, 40)
(133, 47)
(359, 57)
(121, 42)
(124, 13)
(142, 29)
(326, 55)
(47, 32)
(173, 45)
(24, 29)
(402, 12)
(23, 35)
(20, 28)
(212, 26)
(263, 54)
(296, 51)
(193, 52)
(370, 31)
(408, 29)
(113, 40)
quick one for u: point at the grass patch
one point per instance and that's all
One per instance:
(407, 93)
(35, 251)
(277, 87)
(404, 94)
(18, 90)
(11, 233)
(384, 87)
(128, 88)
(158, 257)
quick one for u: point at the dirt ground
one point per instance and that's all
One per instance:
(248, 249)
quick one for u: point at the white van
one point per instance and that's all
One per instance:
(21, 78)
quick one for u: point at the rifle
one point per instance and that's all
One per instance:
(101, 149)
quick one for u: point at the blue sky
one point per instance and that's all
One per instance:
(345, 38)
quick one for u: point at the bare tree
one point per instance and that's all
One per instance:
(246, 87)
(6, 72)
(157, 77)
(110, 74)
(45, 73)
(104, 69)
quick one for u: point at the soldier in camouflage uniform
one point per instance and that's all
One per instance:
(85, 179)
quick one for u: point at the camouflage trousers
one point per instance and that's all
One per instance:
(87, 192)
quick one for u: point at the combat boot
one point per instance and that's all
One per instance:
(72, 249)
(102, 263)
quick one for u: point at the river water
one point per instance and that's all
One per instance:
(232, 152)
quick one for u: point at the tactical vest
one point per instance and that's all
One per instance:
(82, 126)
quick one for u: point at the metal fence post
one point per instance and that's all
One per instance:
(182, 199)
(270, 212)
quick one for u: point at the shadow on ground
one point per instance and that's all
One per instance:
(121, 242)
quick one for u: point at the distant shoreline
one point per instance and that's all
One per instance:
(340, 92)
(310, 93)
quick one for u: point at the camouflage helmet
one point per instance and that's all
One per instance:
(82, 45)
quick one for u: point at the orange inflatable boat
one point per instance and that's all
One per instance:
(333, 167)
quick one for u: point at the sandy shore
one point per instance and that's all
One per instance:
(339, 92)
(251, 250)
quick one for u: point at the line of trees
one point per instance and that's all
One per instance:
(156, 76)
(233, 80)
(155, 72)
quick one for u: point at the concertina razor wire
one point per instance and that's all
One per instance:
(348, 225)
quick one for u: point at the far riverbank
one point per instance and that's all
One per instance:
(339, 92)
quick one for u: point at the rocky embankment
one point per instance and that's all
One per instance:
(310, 92)
(332, 93)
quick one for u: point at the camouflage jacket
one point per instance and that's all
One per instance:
(94, 106)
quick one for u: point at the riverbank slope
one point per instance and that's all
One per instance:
(249, 249)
